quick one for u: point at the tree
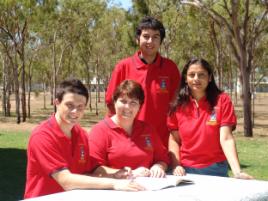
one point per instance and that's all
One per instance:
(245, 22)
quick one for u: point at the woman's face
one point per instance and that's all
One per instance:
(126, 108)
(197, 79)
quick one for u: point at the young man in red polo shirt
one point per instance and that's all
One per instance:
(158, 76)
(58, 151)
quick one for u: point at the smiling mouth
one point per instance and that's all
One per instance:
(197, 85)
(73, 118)
(127, 114)
(149, 47)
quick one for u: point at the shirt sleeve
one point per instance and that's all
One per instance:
(172, 122)
(98, 145)
(228, 117)
(42, 150)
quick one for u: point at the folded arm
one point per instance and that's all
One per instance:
(70, 181)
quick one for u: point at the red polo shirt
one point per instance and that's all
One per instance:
(159, 82)
(50, 150)
(199, 130)
(111, 146)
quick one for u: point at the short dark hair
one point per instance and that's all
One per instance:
(130, 88)
(151, 23)
(183, 93)
(71, 86)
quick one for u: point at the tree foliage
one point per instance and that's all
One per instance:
(43, 42)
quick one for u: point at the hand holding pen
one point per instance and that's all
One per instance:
(124, 173)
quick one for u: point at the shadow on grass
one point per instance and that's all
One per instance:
(12, 173)
(244, 166)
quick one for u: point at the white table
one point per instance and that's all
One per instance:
(205, 188)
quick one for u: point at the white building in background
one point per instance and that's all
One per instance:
(94, 84)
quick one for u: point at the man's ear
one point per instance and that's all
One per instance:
(137, 41)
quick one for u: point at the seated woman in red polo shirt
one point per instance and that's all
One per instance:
(122, 142)
(201, 123)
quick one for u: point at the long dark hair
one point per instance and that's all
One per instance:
(183, 94)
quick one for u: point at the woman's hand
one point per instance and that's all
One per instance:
(124, 173)
(178, 171)
(243, 175)
(157, 171)
(141, 172)
(127, 185)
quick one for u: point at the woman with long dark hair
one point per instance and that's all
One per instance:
(201, 122)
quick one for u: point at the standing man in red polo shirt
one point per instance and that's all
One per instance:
(58, 151)
(158, 76)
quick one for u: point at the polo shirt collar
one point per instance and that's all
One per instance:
(139, 63)
(55, 126)
(109, 122)
(201, 102)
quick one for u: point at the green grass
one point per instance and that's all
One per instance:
(13, 164)
(253, 156)
(252, 153)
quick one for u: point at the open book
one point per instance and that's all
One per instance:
(160, 183)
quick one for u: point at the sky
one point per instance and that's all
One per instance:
(126, 4)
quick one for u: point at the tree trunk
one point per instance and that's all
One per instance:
(54, 79)
(248, 131)
(23, 93)
(29, 87)
(96, 89)
(88, 85)
(8, 87)
(253, 97)
(89, 90)
(44, 96)
(51, 92)
(29, 95)
(236, 85)
(17, 92)
(4, 77)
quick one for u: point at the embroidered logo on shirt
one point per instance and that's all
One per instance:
(148, 143)
(213, 119)
(163, 84)
(82, 154)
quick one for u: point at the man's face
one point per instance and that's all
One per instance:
(149, 42)
(71, 108)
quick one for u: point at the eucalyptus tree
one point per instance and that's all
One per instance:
(245, 22)
(185, 31)
(117, 39)
(57, 32)
(14, 33)
(6, 84)
(87, 16)
(109, 45)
